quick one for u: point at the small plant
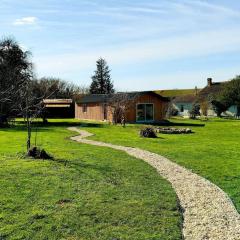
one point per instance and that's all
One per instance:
(38, 153)
(148, 133)
(195, 111)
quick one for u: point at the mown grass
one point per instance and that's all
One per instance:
(86, 193)
(212, 151)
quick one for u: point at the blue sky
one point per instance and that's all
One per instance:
(148, 44)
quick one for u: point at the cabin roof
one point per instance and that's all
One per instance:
(57, 103)
(101, 98)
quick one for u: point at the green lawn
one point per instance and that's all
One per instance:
(86, 193)
(213, 151)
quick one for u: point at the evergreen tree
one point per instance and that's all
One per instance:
(101, 80)
(15, 74)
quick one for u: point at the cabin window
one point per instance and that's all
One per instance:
(84, 108)
(145, 112)
(182, 108)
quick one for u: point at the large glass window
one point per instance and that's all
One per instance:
(140, 112)
(149, 112)
(145, 112)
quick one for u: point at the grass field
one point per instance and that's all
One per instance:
(176, 92)
(86, 193)
(212, 151)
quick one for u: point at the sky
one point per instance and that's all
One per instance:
(148, 44)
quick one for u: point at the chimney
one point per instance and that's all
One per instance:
(209, 82)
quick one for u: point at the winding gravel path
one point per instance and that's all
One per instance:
(208, 212)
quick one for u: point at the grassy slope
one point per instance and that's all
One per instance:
(212, 151)
(87, 193)
(176, 92)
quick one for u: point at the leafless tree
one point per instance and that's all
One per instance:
(58, 88)
(170, 109)
(119, 105)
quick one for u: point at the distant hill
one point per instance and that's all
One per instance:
(176, 92)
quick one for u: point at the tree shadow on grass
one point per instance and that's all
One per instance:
(66, 124)
(83, 167)
(180, 124)
(23, 128)
(49, 126)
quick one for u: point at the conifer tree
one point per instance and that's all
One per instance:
(101, 80)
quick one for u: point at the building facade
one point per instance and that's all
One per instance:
(142, 107)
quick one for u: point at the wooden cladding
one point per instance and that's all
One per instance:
(101, 111)
(90, 111)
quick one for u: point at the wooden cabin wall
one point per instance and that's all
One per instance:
(94, 112)
(160, 107)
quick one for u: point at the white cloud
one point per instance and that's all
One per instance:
(25, 21)
(148, 33)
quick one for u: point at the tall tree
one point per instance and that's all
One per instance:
(15, 74)
(231, 93)
(101, 80)
(227, 97)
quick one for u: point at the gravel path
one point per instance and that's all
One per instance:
(208, 212)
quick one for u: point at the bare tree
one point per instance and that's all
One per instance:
(170, 109)
(119, 104)
(204, 105)
(56, 87)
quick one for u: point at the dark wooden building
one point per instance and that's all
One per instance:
(59, 108)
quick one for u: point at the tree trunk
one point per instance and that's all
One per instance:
(29, 130)
(123, 120)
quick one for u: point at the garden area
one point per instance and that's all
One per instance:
(85, 192)
(168, 178)
(212, 151)
(91, 192)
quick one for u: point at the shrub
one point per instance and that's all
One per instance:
(195, 111)
(148, 133)
(174, 112)
(39, 153)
